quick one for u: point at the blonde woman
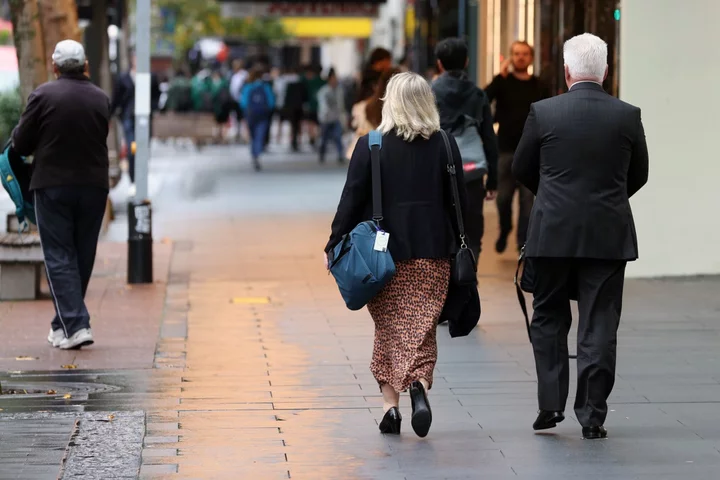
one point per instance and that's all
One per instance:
(420, 219)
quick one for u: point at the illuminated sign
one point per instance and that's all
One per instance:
(300, 9)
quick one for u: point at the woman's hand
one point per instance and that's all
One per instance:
(327, 264)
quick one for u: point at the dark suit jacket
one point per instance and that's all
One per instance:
(417, 200)
(583, 154)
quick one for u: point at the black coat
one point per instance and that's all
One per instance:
(417, 198)
(65, 126)
(583, 154)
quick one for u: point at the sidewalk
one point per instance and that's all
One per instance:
(246, 364)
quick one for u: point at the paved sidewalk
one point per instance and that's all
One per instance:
(260, 371)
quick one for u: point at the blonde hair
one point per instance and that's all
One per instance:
(409, 108)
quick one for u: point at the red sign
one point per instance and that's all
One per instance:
(304, 9)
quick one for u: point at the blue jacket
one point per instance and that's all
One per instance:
(245, 94)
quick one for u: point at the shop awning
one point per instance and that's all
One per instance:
(328, 27)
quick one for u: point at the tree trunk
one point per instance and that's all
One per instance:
(59, 21)
(30, 49)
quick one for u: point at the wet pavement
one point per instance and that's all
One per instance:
(258, 370)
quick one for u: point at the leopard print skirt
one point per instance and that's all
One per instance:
(406, 313)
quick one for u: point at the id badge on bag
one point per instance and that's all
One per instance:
(381, 241)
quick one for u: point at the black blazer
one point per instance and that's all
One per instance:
(417, 200)
(583, 154)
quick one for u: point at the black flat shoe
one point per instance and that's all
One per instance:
(391, 422)
(421, 413)
(594, 433)
(548, 419)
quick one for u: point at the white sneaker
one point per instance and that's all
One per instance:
(56, 336)
(132, 190)
(79, 339)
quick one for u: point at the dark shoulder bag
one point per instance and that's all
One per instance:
(464, 266)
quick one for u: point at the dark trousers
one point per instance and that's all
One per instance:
(332, 132)
(599, 286)
(296, 118)
(474, 219)
(507, 185)
(69, 220)
(129, 133)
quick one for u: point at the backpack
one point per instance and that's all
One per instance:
(16, 181)
(258, 106)
(467, 136)
(360, 271)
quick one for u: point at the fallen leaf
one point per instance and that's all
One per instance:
(68, 367)
(1, 409)
(51, 392)
(111, 417)
(25, 358)
(67, 396)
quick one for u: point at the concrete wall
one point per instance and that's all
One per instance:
(342, 55)
(389, 28)
(668, 68)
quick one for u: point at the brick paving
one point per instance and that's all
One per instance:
(259, 370)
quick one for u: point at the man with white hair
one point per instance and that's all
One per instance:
(65, 126)
(583, 154)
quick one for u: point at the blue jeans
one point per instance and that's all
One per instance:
(258, 130)
(128, 125)
(332, 131)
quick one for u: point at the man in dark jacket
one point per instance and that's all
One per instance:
(65, 126)
(123, 103)
(583, 154)
(459, 98)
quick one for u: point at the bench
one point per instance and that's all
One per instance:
(200, 127)
(21, 263)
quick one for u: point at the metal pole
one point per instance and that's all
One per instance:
(462, 18)
(473, 40)
(139, 209)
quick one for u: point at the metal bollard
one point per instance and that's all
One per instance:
(140, 242)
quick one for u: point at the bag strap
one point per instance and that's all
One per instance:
(454, 187)
(520, 294)
(375, 145)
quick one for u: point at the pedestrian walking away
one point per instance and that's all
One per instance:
(257, 101)
(465, 112)
(513, 92)
(65, 126)
(331, 113)
(420, 219)
(584, 155)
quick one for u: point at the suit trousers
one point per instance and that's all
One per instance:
(507, 185)
(474, 219)
(599, 286)
(69, 220)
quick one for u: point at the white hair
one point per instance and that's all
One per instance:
(586, 57)
(409, 107)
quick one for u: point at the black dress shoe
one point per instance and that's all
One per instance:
(594, 433)
(548, 419)
(391, 422)
(501, 244)
(421, 413)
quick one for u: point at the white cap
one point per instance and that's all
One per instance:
(68, 52)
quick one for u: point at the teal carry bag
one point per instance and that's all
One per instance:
(360, 270)
(15, 177)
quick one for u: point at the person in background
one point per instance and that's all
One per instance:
(420, 219)
(358, 117)
(513, 93)
(331, 114)
(123, 103)
(374, 107)
(65, 126)
(257, 101)
(237, 80)
(583, 154)
(296, 96)
(287, 77)
(313, 84)
(458, 98)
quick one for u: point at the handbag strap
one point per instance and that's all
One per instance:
(454, 186)
(375, 143)
(520, 294)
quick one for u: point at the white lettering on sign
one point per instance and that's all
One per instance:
(305, 9)
(142, 219)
